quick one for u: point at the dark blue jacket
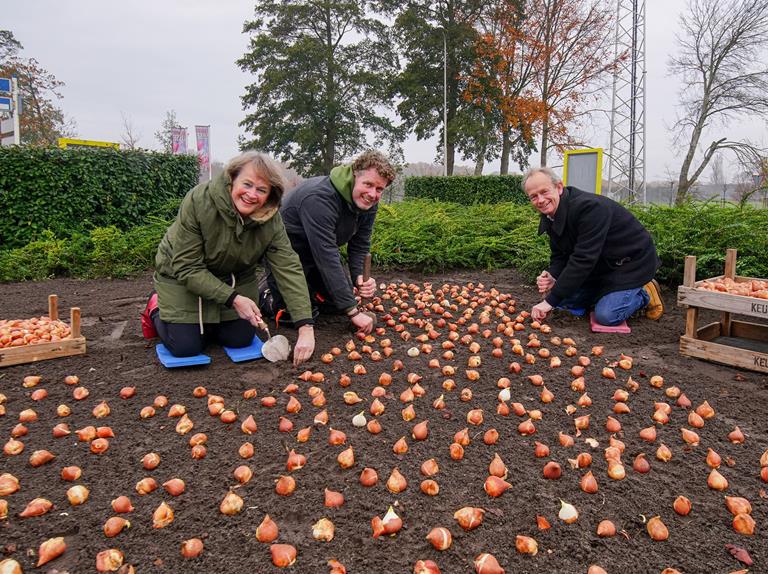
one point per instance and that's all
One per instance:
(596, 242)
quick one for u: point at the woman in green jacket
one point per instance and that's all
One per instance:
(206, 266)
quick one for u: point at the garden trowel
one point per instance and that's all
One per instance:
(275, 348)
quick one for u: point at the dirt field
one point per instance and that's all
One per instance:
(118, 357)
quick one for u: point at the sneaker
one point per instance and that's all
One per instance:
(655, 308)
(147, 325)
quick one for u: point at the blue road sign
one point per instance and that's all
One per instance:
(5, 104)
(5, 85)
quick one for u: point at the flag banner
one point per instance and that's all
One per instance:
(202, 133)
(178, 141)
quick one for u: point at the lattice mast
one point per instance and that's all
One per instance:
(626, 155)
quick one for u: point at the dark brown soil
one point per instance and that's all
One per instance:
(118, 356)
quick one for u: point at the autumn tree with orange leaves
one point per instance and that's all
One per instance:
(500, 86)
(573, 43)
(539, 63)
(42, 121)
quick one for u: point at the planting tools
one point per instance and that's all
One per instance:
(275, 348)
(366, 276)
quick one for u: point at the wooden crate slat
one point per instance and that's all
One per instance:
(748, 330)
(722, 301)
(724, 354)
(41, 351)
(708, 332)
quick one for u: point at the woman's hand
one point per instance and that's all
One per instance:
(305, 344)
(539, 312)
(247, 309)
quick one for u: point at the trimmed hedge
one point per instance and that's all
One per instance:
(466, 189)
(431, 236)
(76, 190)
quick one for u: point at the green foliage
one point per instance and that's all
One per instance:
(424, 28)
(467, 190)
(432, 237)
(322, 71)
(76, 190)
(706, 231)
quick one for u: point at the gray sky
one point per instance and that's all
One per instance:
(143, 58)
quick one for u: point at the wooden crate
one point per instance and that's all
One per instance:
(738, 343)
(74, 345)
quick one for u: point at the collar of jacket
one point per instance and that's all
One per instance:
(558, 224)
(221, 192)
(343, 181)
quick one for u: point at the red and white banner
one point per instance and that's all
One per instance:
(203, 135)
(178, 141)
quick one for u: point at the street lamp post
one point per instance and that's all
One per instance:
(445, 103)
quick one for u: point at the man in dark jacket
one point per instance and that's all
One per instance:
(602, 256)
(323, 213)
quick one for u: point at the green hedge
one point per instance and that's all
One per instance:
(76, 190)
(431, 236)
(467, 190)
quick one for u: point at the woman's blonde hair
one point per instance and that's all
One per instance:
(265, 167)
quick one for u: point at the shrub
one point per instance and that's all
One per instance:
(76, 190)
(467, 190)
(432, 236)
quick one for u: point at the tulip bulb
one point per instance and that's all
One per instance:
(122, 504)
(162, 516)
(283, 555)
(469, 517)
(390, 524)
(440, 538)
(495, 486)
(285, 485)
(115, 525)
(641, 464)
(682, 505)
(606, 529)
(396, 482)
(425, 567)
(267, 531)
(568, 513)
(77, 495)
(346, 458)
(657, 530)
(359, 420)
(231, 505)
(526, 545)
(588, 483)
(50, 549)
(192, 548)
(552, 470)
(744, 524)
(738, 505)
(717, 481)
(333, 499)
(497, 467)
(369, 477)
(36, 507)
(323, 530)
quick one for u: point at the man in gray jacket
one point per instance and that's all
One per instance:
(324, 213)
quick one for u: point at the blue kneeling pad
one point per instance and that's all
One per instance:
(170, 361)
(252, 351)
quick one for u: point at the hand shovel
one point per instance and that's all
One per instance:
(366, 276)
(275, 348)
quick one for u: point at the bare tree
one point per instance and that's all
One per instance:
(717, 176)
(723, 77)
(130, 136)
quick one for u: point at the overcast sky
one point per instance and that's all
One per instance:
(143, 58)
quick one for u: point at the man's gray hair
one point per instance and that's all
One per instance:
(548, 171)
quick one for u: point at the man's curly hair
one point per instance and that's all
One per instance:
(378, 161)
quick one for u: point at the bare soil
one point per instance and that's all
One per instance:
(118, 357)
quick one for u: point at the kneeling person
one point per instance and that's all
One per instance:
(323, 213)
(206, 264)
(602, 256)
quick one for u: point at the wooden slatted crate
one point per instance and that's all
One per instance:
(73, 345)
(738, 343)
